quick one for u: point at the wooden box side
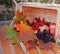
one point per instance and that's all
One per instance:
(31, 12)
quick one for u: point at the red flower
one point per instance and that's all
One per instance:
(35, 18)
(43, 22)
(35, 26)
(52, 28)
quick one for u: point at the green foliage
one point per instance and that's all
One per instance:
(23, 19)
(6, 14)
(8, 3)
(7, 10)
(58, 42)
(2, 1)
(58, 1)
(44, 1)
(12, 35)
(29, 0)
(18, 1)
(15, 41)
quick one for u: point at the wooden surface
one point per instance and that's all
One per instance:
(17, 49)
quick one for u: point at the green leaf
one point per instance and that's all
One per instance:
(15, 41)
(58, 42)
(10, 33)
(24, 19)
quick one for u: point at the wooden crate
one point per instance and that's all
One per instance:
(51, 12)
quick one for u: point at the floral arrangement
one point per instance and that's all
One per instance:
(30, 33)
(20, 31)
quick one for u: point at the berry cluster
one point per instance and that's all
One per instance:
(45, 30)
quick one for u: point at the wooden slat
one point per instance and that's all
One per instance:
(44, 51)
(12, 49)
(39, 52)
(1, 49)
(6, 47)
(24, 48)
(55, 49)
(18, 49)
(33, 51)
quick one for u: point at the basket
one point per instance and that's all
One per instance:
(51, 12)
